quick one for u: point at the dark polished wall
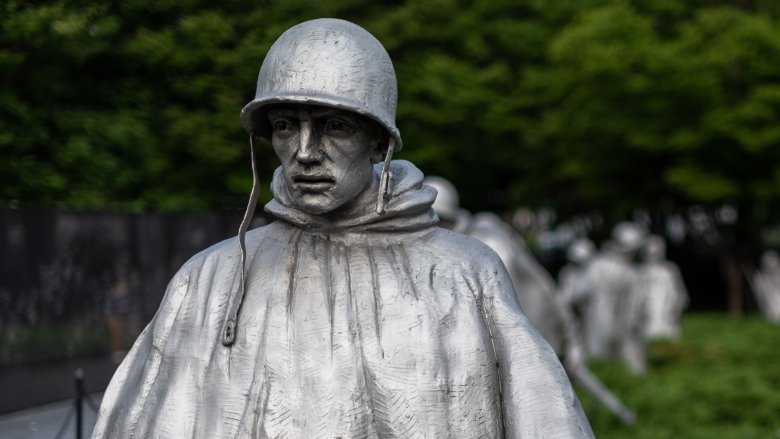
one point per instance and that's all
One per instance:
(56, 267)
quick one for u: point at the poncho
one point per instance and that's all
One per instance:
(378, 326)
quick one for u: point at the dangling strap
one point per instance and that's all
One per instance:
(385, 179)
(229, 327)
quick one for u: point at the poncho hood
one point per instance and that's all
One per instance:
(408, 209)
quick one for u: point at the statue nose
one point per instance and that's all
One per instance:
(308, 148)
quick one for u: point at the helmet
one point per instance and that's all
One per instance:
(628, 235)
(447, 203)
(327, 62)
(655, 248)
(580, 250)
(769, 259)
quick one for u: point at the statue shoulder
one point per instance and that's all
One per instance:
(230, 249)
(463, 249)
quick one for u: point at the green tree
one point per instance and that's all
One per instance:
(132, 105)
(573, 104)
(637, 117)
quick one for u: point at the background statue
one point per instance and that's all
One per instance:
(572, 283)
(663, 291)
(535, 289)
(534, 286)
(610, 302)
(352, 315)
(766, 286)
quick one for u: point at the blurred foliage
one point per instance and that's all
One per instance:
(573, 104)
(720, 380)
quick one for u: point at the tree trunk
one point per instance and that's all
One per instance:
(735, 287)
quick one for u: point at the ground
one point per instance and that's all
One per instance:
(721, 379)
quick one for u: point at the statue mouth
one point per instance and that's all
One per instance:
(313, 183)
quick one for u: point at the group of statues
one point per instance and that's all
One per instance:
(375, 306)
(536, 290)
(627, 294)
(606, 304)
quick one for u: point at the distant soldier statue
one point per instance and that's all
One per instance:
(535, 289)
(534, 286)
(766, 286)
(663, 290)
(352, 315)
(572, 282)
(611, 303)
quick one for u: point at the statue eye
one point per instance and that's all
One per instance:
(338, 127)
(282, 126)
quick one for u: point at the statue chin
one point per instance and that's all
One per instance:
(317, 204)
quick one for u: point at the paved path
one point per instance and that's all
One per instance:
(46, 421)
(34, 385)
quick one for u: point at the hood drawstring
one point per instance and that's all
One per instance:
(385, 179)
(229, 327)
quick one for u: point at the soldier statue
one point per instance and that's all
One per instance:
(536, 292)
(351, 315)
(611, 303)
(766, 286)
(663, 290)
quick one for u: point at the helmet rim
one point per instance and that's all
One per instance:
(252, 108)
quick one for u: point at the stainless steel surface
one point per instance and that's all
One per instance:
(766, 286)
(353, 323)
(229, 327)
(383, 326)
(327, 62)
(663, 292)
(612, 305)
(536, 290)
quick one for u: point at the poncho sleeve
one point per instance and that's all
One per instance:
(126, 400)
(537, 397)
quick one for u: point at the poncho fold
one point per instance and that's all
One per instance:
(368, 327)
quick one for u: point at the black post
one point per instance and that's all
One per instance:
(79, 401)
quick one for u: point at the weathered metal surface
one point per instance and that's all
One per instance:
(353, 323)
(326, 62)
(663, 291)
(611, 303)
(766, 286)
(536, 291)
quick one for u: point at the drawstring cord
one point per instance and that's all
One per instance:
(229, 328)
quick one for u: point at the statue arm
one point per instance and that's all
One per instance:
(124, 404)
(537, 398)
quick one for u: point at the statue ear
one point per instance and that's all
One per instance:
(376, 150)
(379, 139)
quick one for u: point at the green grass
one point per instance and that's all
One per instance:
(721, 380)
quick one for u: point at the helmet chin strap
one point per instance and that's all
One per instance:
(229, 327)
(385, 179)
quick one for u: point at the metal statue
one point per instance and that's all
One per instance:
(352, 314)
(663, 291)
(572, 283)
(766, 286)
(611, 303)
(535, 289)
(534, 286)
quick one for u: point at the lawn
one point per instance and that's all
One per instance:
(721, 380)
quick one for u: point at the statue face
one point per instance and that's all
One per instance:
(327, 155)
